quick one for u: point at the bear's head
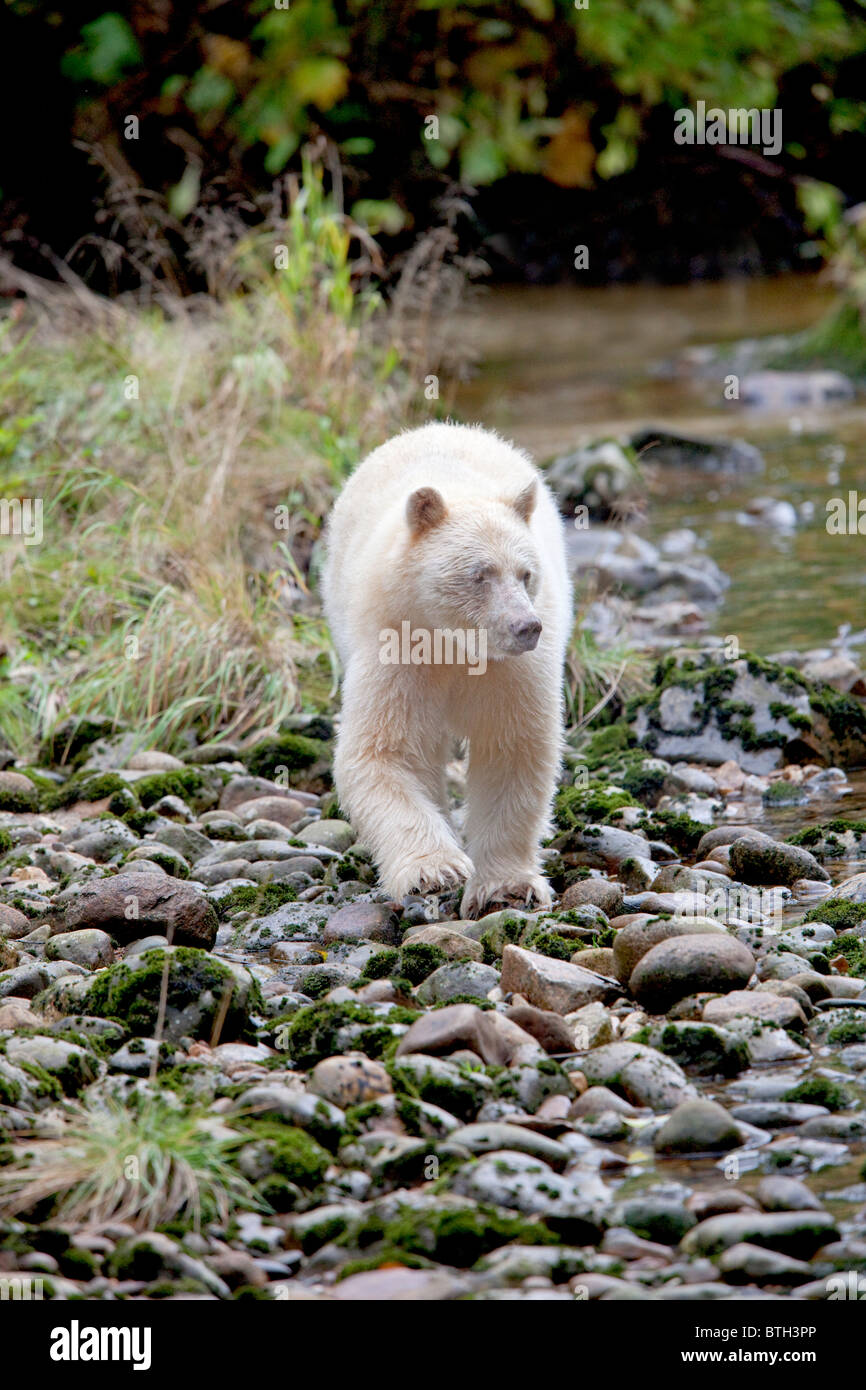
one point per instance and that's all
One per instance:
(474, 566)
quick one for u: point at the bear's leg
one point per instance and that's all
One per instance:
(389, 780)
(512, 779)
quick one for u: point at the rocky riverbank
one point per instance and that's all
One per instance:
(654, 1091)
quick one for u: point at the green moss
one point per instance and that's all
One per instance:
(819, 1090)
(19, 799)
(42, 1083)
(6, 841)
(10, 1090)
(574, 806)
(853, 948)
(550, 943)
(259, 899)
(186, 783)
(132, 996)
(837, 912)
(381, 965)
(295, 1155)
(456, 1238)
(680, 831)
(312, 1031)
(699, 1047)
(852, 1030)
(291, 751)
(86, 786)
(418, 959)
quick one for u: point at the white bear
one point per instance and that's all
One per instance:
(449, 530)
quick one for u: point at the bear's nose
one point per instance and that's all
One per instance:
(526, 632)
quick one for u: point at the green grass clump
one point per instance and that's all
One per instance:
(144, 1165)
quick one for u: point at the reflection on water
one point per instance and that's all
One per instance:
(559, 366)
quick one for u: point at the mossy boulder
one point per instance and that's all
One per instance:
(199, 990)
(755, 712)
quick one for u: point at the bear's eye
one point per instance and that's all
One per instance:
(526, 577)
(480, 573)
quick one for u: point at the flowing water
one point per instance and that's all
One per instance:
(562, 366)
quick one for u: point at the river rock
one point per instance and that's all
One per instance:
(642, 1075)
(599, 892)
(129, 905)
(698, 1126)
(796, 1233)
(351, 1079)
(770, 1008)
(634, 941)
(758, 859)
(552, 984)
(88, 947)
(497, 1040)
(690, 965)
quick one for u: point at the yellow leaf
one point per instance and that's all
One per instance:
(569, 159)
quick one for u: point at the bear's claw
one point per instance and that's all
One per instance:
(519, 890)
(429, 873)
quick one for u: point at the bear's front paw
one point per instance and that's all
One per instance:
(428, 873)
(507, 890)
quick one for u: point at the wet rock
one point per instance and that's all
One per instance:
(590, 1026)
(770, 1008)
(129, 905)
(494, 1136)
(525, 1183)
(789, 390)
(758, 859)
(73, 1066)
(734, 456)
(552, 984)
(786, 1194)
(689, 965)
(752, 1264)
(642, 1075)
(701, 1047)
(634, 941)
(698, 1126)
(797, 1233)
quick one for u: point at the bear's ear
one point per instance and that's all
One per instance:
(524, 503)
(424, 510)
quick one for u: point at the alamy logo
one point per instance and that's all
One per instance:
(441, 646)
(22, 516)
(77, 1343)
(846, 516)
(846, 1286)
(738, 126)
(20, 1286)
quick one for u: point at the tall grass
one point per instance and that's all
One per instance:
(185, 451)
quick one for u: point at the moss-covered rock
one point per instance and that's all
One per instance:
(756, 712)
(199, 990)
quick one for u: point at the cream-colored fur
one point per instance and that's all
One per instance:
(396, 554)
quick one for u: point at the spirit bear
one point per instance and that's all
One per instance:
(446, 533)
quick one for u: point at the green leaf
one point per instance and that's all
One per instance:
(109, 47)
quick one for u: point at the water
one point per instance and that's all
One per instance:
(562, 366)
